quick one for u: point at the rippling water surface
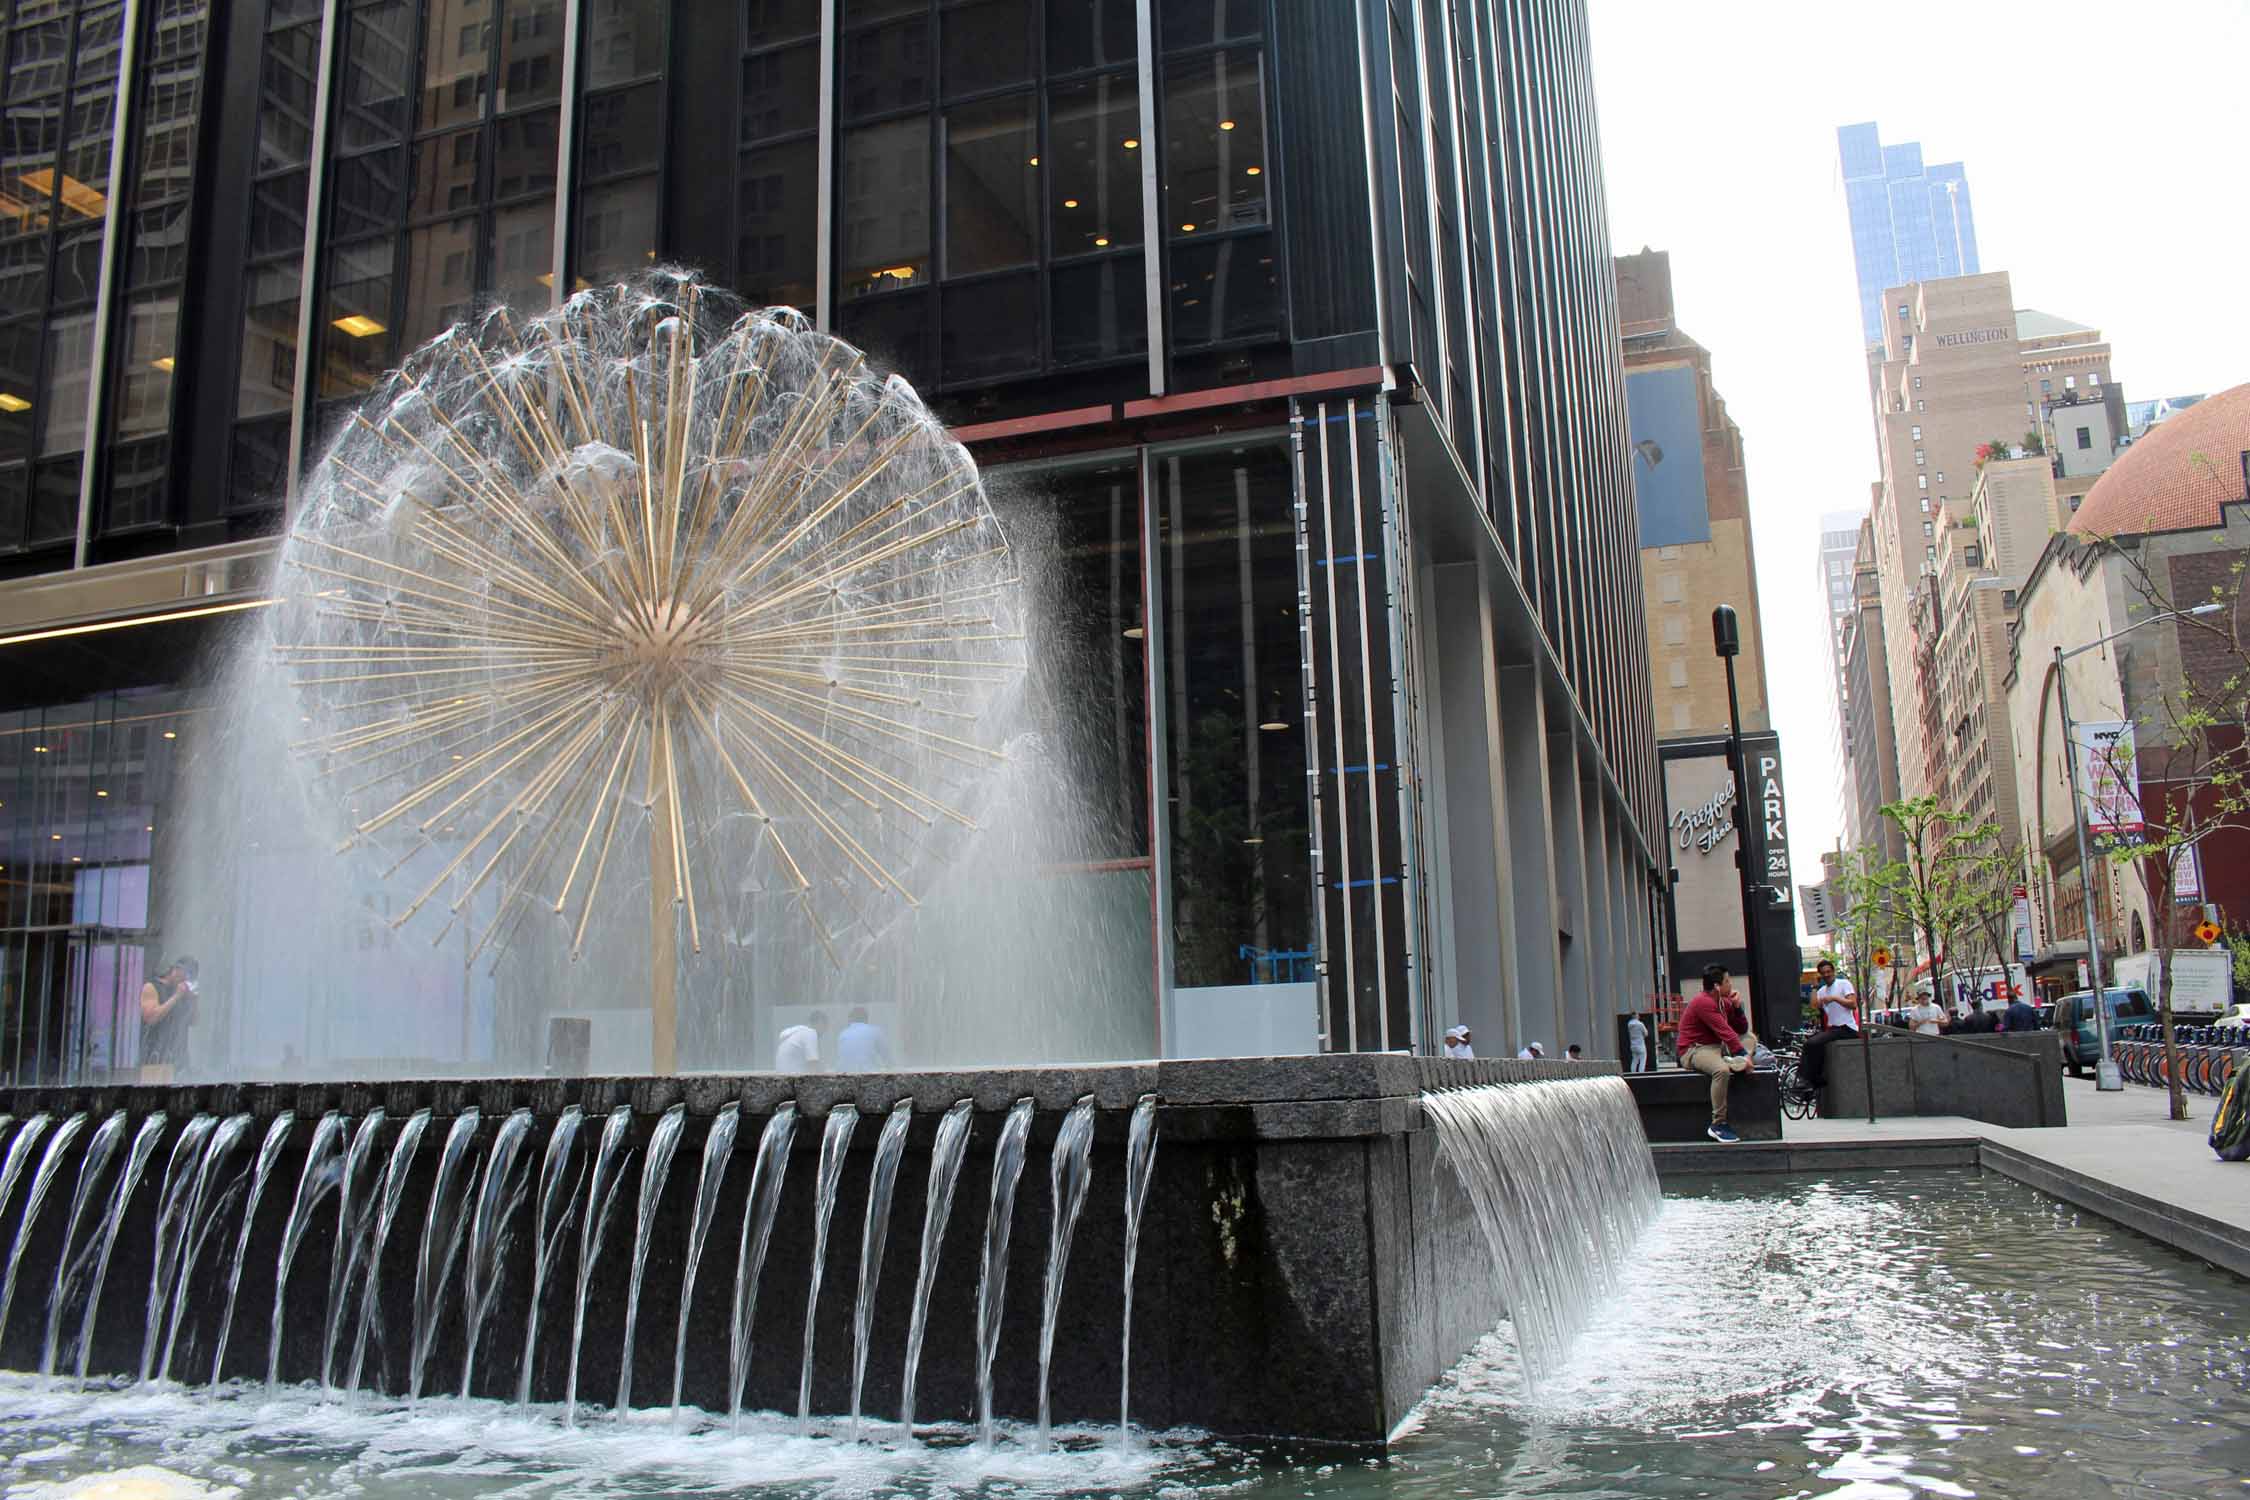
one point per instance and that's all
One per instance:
(1943, 1334)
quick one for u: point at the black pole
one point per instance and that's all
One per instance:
(1726, 639)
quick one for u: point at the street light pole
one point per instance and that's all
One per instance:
(2106, 1076)
(1726, 640)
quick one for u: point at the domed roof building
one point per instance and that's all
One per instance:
(2178, 476)
(2160, 532)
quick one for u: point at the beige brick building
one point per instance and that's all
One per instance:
(1701, 554)
(1960, 366)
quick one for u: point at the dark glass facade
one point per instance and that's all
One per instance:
(1288, 326)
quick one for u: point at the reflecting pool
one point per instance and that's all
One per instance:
(1894, 1334)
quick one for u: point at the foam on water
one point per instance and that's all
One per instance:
(294, 1442)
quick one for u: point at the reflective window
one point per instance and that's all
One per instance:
(777, 187)
(620, 141)
(56, 141)
(1234, 752)
(1094, 191)
(1027, 159)
(984, 44)
(430, 219)
(776, 223)
(991, 185)
(1214, 144)
(1091, 34)
(884, 207)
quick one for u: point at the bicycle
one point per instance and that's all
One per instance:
(1799, 1099)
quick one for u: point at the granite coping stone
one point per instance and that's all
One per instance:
(1321, 1078)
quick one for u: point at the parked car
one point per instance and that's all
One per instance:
(2074, 1018)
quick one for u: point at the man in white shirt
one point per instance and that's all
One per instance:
(1457, 1042)
(798, 1048)
(1636, 1039)
(1531, 1051)
(1927, 1016)
(1836, 1003)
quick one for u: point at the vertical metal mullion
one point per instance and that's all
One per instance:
(1336, 713)
(1367, 722)
(566, 145)
(316, 197)
(1152, 221)
(1308, 675)
(1159, 821)
(824, 250)
(1367, 114)
(105, 289)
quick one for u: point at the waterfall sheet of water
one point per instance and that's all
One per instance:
(367, 1322)
(42, 1181)
(1561, 1181)
(835, 1143)
(442, 1233)
(498, 1197)
(69, 1267)
(656, 1171)
(356, 1204)
(145, 1141)
(269, 1151)
(1071, 1170)
(202, 1216)
(171, 1205)
(315, 1182)
(718, 1151)
(558, 1205)
(609, 1171)
(946, 1153)
(750, 1251)
(874, 1235)
(1140, 1170)
(992, 1278)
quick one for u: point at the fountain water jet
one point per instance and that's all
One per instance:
(558, 1202)
(609, 1171)
(355, 1218)
(90, 1169)
(113, 1222)
(269, 1151)
(835, 1141)
(315, 1181)
(945, 1173)
(1072, 1169)
(874, 1234)
(750, 1250)
(41, 1181)
(656, 1170)
(992, 1276)
(202, 1215)
(441, 1241)
(496, 1204)
(718, 1151)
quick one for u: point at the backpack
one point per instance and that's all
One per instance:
(2230, 1125)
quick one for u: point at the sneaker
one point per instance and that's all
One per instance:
(1722, 1135)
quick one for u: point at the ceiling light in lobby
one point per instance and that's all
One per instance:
(360, 326)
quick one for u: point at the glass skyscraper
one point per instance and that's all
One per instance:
(1910, 222)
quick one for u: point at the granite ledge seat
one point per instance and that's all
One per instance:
(1675, 1105)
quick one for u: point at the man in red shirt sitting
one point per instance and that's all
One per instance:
(1715, 1039)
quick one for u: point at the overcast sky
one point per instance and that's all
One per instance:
(2104, 152)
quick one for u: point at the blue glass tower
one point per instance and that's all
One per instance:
(1910, 222)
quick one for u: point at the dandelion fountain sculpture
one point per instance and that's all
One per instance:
(648, 579)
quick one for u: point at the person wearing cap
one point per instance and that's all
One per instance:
(1715, 1040)
(1531, 1051)
(167, 1010)
(1457, 1042)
